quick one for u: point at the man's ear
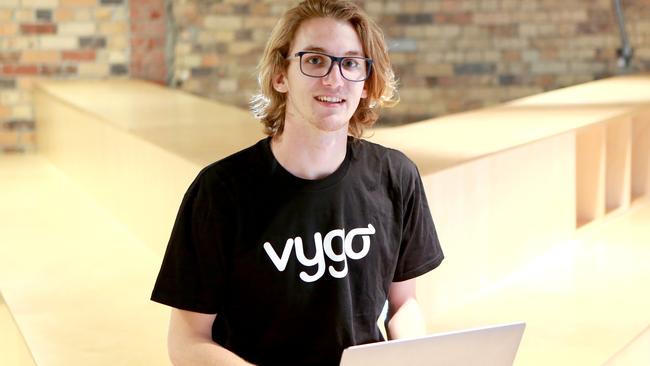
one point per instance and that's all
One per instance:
(280, 83)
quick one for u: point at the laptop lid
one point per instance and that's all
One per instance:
(489, 346)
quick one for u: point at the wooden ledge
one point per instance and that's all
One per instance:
(13, 350)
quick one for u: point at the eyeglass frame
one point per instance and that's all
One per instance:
(333, 59)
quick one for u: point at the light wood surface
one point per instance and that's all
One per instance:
(449, 141)
(590, 173)
(506, 186)
(78, 282)
(618, 164)
(641, 154)
(135, 146)
(83, 299)
(132, 178)
(583, 300)
(13, 350)
(196, 129)
(636, 353)
(495, 212)
(629, 91)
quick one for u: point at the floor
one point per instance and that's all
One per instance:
(75, 279)
(64, 263)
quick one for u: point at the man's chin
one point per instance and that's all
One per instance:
(332, 125)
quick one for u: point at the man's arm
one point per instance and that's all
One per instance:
(404, 315)
(189, 341)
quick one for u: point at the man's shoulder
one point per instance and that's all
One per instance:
(237, 166)
(372, 154)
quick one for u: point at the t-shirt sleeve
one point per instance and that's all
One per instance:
(191, 274)
(420, 250)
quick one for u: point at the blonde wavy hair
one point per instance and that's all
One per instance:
(269, 105)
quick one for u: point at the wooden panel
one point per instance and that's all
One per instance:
(590, 174)
(618, 165)
(583, 300)
(13, 350)
(140, 183)
(497, 204)
(636, 353)
(493, 213)
(198, 129)
(76, 280)
(641, 154)
(626, 90)
(451, 140)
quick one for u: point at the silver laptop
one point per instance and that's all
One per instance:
(490, 346)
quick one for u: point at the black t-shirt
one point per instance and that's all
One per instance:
(297, 270)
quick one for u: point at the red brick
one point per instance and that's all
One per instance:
(137, 42)
(147, 3)
(8, 138)
(503, 30)
(155, 73)
(28, 138)
(545, 81)
(8, 29)
(136, 67)
(147, 44)
(460, 18)
(19, 124)
(510, 55)
(450, 5)
(156, 57)
(51, 70)
(78, 3)
(147, 10)
(155, 14)
(85, 55)
(63, 15)
(148, 28)
(161, 82)
(141, 13)
(45, 28)
(210, 60)
(4, 111)
(9, 57)
(13, 149)
(39, 57)
(549, 54)
(446, 81)
(20, 69)
(259, 9)
(156, 43)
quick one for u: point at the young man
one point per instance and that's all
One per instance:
(286, 252)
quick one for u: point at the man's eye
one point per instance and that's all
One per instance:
(350, 63)
(314, 60)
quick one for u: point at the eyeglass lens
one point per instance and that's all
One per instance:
(318, 65)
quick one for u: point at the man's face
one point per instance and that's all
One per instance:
(306, 96)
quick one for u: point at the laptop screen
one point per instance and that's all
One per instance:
(489, 346)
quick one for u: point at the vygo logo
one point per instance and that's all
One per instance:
(323, 248)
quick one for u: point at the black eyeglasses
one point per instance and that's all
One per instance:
(317, 65)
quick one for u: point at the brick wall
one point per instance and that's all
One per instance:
(150, 40)
(450, 55)
(72, 39)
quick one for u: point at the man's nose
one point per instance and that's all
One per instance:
(334, 78)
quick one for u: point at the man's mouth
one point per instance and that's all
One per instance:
(325, 99)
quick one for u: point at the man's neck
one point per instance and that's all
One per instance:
(309, 153)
